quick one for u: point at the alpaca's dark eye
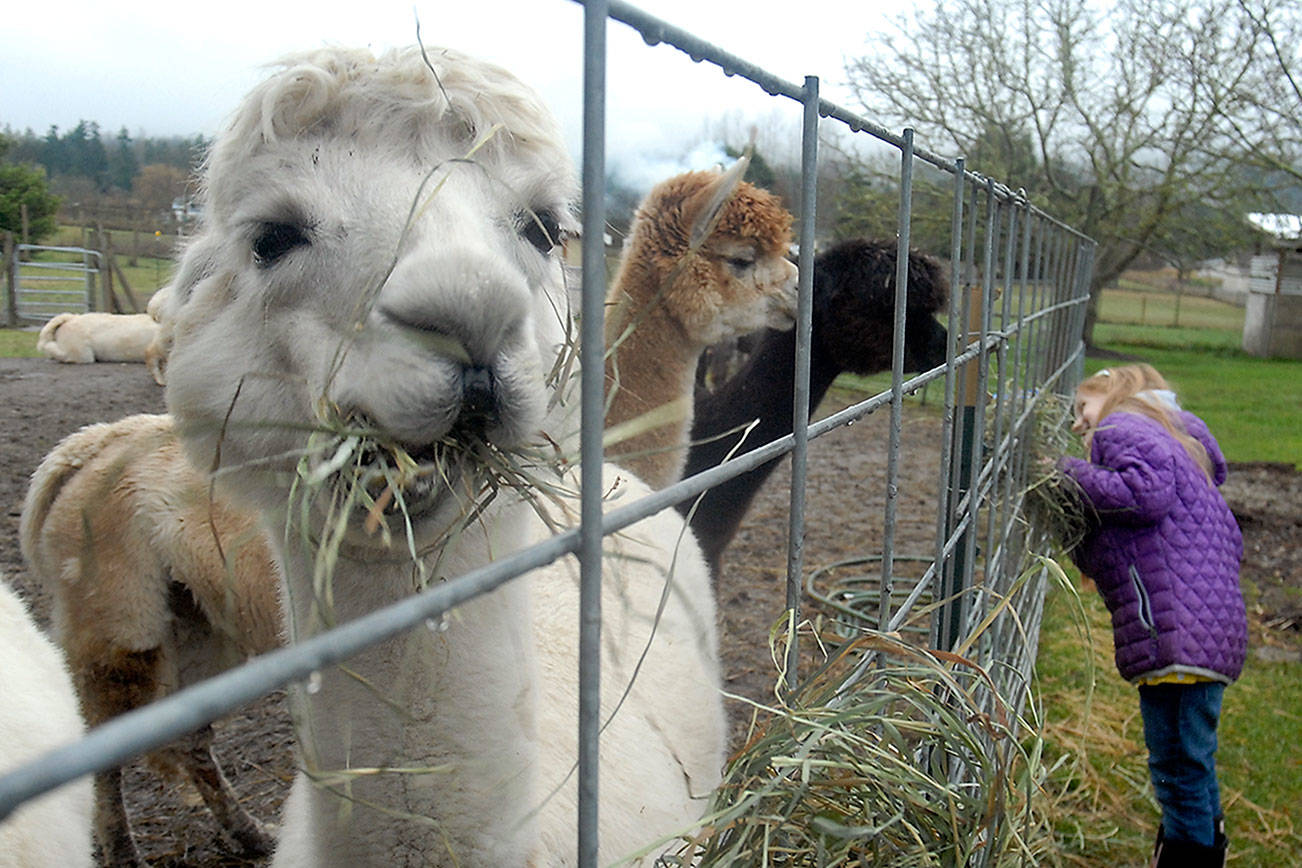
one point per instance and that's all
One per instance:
(741, 263)
(274, 240)
(541, 230)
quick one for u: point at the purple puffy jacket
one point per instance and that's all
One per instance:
(1166, 552)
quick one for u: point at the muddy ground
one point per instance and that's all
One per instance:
(41, 401)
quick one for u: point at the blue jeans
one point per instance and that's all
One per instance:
(1180, 731)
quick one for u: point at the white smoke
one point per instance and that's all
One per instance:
(643, 171)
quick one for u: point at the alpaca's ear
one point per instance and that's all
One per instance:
(705, 206)
(197, 263)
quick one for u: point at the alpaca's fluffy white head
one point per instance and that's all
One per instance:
(380, 241)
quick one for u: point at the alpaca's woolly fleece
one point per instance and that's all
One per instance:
(407, 103)
(83, 338)
(669, 211)
(375, 262)
(159, 308)
(852, 329)
(38, 713)
(154, 585)
(679, 289)
(115, 515)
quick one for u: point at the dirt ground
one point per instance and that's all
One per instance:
(41, 401)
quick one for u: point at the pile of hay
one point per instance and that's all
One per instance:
(884, 757)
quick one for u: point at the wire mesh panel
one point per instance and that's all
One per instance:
(1019, 283)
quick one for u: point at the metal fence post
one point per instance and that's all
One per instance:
(897, 377)
(592, 357)
(800, 428)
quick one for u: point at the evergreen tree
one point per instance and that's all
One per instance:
(25, 185)
(54, 153)
(123, 167)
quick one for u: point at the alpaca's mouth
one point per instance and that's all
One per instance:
(390, 486)
(412, 481)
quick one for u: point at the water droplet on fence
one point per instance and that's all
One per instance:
(437, 625)
(313, 685)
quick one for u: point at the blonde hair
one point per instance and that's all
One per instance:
(1135, 389)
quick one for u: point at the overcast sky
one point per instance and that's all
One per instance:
(178, 68)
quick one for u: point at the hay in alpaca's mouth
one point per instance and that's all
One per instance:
(355, 479)
(383, 479)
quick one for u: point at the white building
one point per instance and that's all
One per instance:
(1272, 324)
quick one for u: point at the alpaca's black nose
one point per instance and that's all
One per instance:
(478, 400)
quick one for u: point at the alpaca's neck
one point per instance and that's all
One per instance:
(650, 368)
(763, 390)
(455, 698)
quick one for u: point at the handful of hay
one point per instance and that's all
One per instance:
(1051, 500)
(903, 768)
(347, 473)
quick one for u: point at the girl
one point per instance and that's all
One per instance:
(1165, 555)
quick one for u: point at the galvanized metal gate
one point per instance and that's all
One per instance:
(51, 280)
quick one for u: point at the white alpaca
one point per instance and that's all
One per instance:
(160, 344)
(380, 257)
(82, 338)
(705, 261)
(38, 713)
(155, 585)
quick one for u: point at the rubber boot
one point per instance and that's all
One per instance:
(1220, 843)
(1187, 854)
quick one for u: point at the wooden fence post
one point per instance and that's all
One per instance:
(104, 244)
(92, 295)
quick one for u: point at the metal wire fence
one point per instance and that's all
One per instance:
(1016, 315)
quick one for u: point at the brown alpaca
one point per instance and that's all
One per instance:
(154, 586)
(705, 261)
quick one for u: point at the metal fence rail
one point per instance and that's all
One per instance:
(41, 288)
(1016, 314)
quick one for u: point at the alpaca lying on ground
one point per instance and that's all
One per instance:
(83, 338)
(38, 713)
(154, 586)
(376, 312)
(161, 344)
(852, 330)
(705, 260)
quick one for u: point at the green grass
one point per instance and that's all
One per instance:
(1105, 811)
(1166, 310)
(17, 344)
(933, 394)
(1151, 319)
(1251, 404)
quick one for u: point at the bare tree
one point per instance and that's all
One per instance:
(1120, 122)
(1271, 134)
(157, 185)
